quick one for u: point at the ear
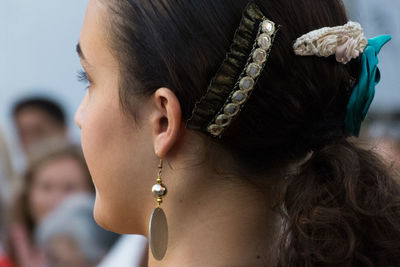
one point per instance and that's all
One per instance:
(166, 121)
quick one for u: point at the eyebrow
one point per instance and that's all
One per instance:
(79, 51)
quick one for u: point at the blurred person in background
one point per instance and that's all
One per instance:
(69, 236)
(56, 170)
(38, 119)
(6, 190)
(5, 260)
(6, 172)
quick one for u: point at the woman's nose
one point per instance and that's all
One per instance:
(79, 114)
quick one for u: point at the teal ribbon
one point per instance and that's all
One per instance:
(364, 92)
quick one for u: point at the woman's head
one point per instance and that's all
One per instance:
(149, 62)
(55, 171)
(299, 102)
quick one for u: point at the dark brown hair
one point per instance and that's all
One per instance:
(48, 106)
(343, 207)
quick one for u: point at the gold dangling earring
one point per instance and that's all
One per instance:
(158, 227)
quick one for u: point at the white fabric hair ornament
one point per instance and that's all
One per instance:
(347, 42)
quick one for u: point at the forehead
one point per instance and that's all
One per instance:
(93, 38)
(50, 167)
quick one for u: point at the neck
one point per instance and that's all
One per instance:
(217, 221)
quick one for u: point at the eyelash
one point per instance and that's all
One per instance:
(83, 78)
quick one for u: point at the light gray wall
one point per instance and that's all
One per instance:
(37, 54)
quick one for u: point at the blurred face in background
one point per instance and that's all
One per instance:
(52, 182)
(35, 125)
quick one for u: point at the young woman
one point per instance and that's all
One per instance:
(56, 170)
(250, 105)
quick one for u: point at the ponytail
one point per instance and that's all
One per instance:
(342, 209)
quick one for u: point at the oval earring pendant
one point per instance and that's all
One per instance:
(158, 234)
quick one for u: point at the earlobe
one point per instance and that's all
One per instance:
(166, 121)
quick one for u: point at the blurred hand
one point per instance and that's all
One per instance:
(27, 255)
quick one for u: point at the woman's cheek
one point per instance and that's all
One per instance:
(100, 140)
(90, 142)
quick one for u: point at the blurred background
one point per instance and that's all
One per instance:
(38, 58)
(46, 193)
(39, 93)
